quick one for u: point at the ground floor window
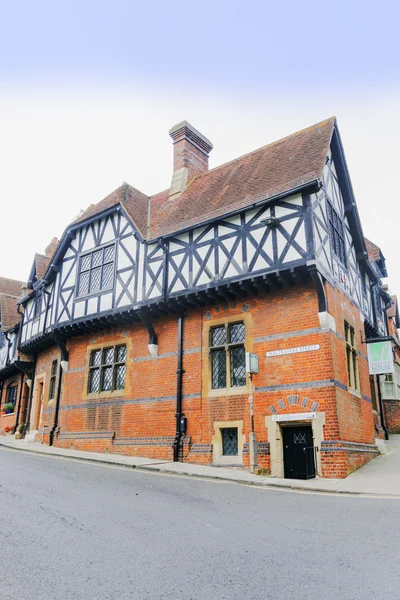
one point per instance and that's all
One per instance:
(11, 398)
(229, 441)
(107, 370)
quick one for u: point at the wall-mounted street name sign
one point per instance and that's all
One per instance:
(293, 350)
(380, 358)
(295, 417)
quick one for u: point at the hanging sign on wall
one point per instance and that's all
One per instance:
(380, 358)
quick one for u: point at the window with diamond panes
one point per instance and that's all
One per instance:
(38, 303)
(351, 356)
(96, 271)
(11, 396)
(53, 378)
(228, 356)
(336, 234)
(229, 441)
(107, 370)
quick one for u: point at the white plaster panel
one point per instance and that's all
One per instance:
(89, 241)
(140, 268)
(92, 306)
(123, 259)
(106, 302)
(79, 309)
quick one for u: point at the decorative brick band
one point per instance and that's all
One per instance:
(99, 403)
(288, 335)
(262, 448)
(344, 446)
(144, 441)
(86, 435)
(201, 449)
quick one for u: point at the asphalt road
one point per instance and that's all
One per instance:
(72, 530)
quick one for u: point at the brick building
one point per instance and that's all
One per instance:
(137, 330)
(391, 382)
(10, 377)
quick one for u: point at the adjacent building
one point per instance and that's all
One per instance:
(10, 377)
(135, 332)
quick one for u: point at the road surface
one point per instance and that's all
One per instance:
(73, 530)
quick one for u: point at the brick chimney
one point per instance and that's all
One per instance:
(49, 251)
(191, 150)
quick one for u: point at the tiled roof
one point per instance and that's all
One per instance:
(8, 312)
(374, 252)
(11, 287)
(273, 169)
(277, 168)
(135, 203)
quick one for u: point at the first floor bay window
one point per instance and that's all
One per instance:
(107, 370)
(228, 356)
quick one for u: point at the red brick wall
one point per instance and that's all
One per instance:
(9, 420)
(141, 419)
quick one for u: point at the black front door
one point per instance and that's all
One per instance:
(298, 452)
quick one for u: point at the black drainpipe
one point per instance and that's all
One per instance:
(179, 372)
(383, 422)
(28, 411)
(19, 402)
(63, 357)
(1, 391)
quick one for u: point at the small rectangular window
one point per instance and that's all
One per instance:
(53, 377)
(107, 370)
(228, 356)
(336, 234)
(389, 388)
(229, 441)
(351, 356)
(11, 396)
(96, 271)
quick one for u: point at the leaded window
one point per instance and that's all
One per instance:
(11, 396)
(38, 303)
(229, 441)
(53, 377)
(336, 234)
(351, 356)
(96, 271)
(107, 370)
(228, 356)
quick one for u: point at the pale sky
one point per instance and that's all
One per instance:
(89, 91)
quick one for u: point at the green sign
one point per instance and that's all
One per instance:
(380, 358)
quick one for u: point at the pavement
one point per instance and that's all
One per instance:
(80, 530)
(379, 477)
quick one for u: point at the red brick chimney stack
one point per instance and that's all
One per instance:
(191, 151)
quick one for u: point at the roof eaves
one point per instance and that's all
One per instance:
(309, 181)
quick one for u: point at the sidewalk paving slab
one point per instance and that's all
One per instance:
(379, 477)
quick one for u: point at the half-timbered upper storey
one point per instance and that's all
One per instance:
(262, 220)
(10, 290)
